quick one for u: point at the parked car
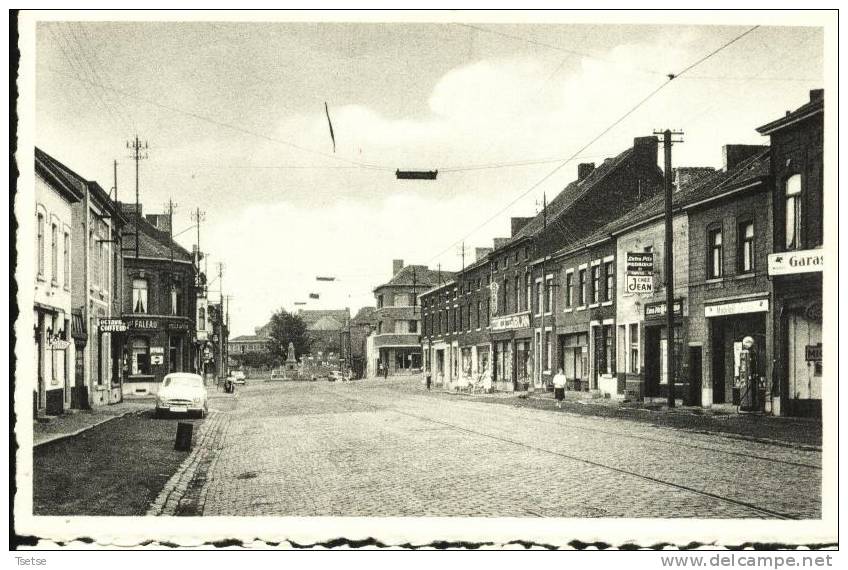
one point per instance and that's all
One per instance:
(335, 376)
(182, 393)
(239, 377)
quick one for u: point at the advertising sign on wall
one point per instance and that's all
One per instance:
(639, 275)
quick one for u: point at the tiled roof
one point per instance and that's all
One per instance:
(76, 182)
(312, 316)
(720, 181)
(571, 193)
(419, 276)
(365, 315)
(152, 242)
(815, 105)
(249, 338)
(325, 324)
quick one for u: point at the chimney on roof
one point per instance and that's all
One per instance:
(397, 265)
(161, 222)
(584, 169)
(733, 154)
(816, 94)
(481, 252)
(645, 151)
(518, 223)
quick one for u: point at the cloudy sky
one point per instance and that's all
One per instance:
(234, 117)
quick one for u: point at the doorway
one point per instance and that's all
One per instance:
(695, 375)
(652, 361)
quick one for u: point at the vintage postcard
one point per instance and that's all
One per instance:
(410, 279)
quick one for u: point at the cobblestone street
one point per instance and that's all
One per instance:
(367, 449)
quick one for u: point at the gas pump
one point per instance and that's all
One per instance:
(749, 381)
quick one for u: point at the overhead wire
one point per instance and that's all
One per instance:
(616, 122)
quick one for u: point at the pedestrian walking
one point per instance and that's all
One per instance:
(429, 381)
(559, 387)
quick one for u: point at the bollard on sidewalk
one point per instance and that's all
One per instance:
(183, 441)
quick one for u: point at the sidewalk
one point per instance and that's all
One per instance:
(73, 422)
(805, 433)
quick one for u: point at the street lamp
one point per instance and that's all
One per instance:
(346, 353)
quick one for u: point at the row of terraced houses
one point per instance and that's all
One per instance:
(562, 293)
(118, 304)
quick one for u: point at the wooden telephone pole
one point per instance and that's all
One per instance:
(667, 141)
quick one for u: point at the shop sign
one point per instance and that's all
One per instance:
(509, 322)
(813, 352)
(157, 350)
(756, 306)
(59, 344)
(156, 359)
(177, 326)
(638, 285)
(640, 263)
(112, 325)
(790, 262)
(142, 324)
(814, 311)
(658, 309)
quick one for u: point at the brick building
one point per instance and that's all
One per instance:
(159, 304)
(796, 265)
(397, 341)
(729, 290)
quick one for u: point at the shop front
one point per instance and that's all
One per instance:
(574, 351)
(656, 373)
(53, 350)
(512, 361)
(797, 278)
(156, 346)
(729, 323)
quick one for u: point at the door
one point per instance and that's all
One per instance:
(695, 378)
(652, 361)
(718, 363)
(804, 370)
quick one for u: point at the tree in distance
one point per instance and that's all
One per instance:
(285, 328)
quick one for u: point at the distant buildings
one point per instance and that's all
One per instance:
(396, 342)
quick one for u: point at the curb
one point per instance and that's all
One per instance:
(61, 436)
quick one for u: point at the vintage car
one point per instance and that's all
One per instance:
(182, 393)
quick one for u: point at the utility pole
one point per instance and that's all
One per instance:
(197, 216)
(669, 260)
(171, 205)
(543, 300)
(137, 147)
(221, 321)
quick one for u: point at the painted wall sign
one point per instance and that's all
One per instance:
(177, 326)
(790, 262)
(112, 325)
(640, 263)
(142, 324)
(658, 309)
(813, 352)
(157, 359)
(493, 296)
(509, 322)
(157, 350)
(638, 285)
(755, 306)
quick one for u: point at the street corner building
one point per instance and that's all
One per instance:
(159, 313)
(394, 347)
(79, 266)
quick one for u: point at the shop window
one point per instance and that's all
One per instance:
(609, 274)
(201, 318)
(715, 256)
(140, 363)
(793, 212)
(569, 289)
(40, 245)
(596, 284)
(139, 296)
(745, 242)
